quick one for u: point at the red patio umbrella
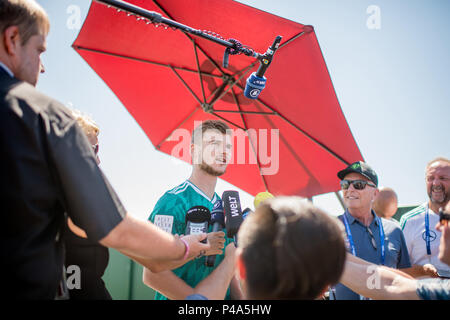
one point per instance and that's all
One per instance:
(168, 79)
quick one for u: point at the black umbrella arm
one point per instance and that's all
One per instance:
(233, 45)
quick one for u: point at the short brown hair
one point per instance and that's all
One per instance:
(291, 250)
(27, 15)
(438, 159)
(221, 126)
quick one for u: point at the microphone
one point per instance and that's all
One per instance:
(260, 197)
(197, 220)
(218, 223)
(257, 82)
(246, 212)
(233, 213)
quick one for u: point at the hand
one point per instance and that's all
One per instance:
(230, 252)
(217, 242)
(430, 270)
(196, 248)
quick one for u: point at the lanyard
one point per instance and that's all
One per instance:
(427, 230)
(352, 244)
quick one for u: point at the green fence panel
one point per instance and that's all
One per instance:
(123, 279)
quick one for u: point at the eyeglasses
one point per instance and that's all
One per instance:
(357, 184)
(95, 147)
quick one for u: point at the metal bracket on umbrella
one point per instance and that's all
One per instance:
(233, 45)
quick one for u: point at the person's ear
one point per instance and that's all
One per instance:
(11, 39)
(240, 266)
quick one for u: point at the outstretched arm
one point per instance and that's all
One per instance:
(378, 282)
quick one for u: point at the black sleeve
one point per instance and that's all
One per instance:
(90, 200)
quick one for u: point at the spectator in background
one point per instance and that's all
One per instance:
(273, 260)
(89, 256)
(417, 224)
(369, 237)
(385, 203)
(378, 282)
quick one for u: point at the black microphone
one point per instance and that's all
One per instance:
(233, 213)
(246, 212)
(197, 220)
(218, 223)
(257, 82)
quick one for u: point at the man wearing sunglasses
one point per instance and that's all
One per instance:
(369, 237)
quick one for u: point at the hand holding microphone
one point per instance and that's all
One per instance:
(218, 223)
(197, 223)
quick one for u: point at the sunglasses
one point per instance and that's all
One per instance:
(357, 184)
(95, 147)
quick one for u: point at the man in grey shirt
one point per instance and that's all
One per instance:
(369, 237)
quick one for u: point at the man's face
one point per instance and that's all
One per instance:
(358, 199)
(438, 182)
(28, 62)
(215, 152)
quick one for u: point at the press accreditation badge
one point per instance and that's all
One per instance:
(164, 222)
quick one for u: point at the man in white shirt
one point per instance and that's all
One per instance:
(417, 224)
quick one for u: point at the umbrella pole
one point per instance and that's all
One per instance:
(341, 201)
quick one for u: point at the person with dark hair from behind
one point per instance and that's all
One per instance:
(289, 249)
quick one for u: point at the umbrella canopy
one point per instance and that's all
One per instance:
(292, 140)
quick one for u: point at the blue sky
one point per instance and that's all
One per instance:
(393, 84)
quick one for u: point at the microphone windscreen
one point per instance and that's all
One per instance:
(233, 212)
(260, 197)
(198, 214)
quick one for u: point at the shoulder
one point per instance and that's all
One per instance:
(26, 103)
(171, 203)
(413, 215)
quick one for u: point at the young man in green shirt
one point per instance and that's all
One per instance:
(211, 152)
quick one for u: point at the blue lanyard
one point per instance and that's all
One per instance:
(427, 230)
(352, 244)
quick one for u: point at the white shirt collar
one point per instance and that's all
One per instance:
(8, 71)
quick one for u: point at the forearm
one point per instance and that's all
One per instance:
(417, 271)
(215, 286)
(157, 266)
(377, 282)
(143, 240)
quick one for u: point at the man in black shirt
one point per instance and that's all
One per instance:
(48, 167)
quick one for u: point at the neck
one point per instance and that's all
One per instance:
(364, 216)
(204, 181)
(436, 206)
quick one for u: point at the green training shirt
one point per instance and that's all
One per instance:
(169, 214)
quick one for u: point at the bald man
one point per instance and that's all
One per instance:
(385, 203)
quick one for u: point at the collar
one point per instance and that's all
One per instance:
(7, 70)
(351, 219)
(200, 192)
